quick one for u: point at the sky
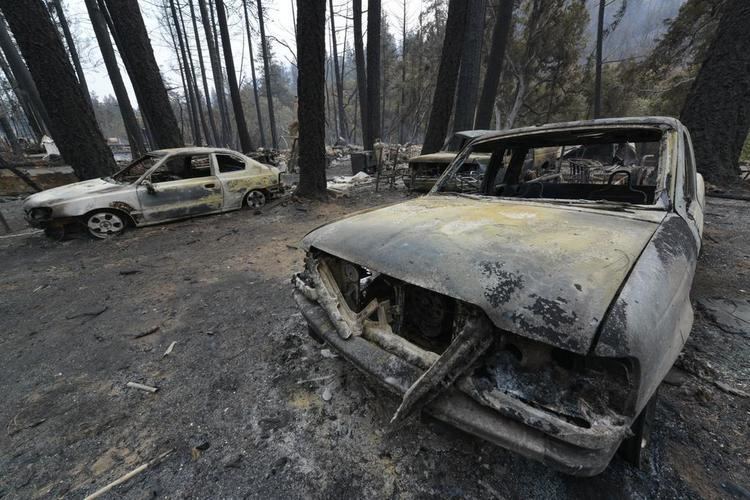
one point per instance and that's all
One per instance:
(643, 16)
(279, 26)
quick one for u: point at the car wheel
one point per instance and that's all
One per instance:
(255, 199)
(103, 224)
(632, 449)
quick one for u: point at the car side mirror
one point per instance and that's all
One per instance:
(149, 187)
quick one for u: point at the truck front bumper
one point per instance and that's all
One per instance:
(458, 409)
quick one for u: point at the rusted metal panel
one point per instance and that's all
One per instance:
(589, 305)
(586, 453)
(651, 319)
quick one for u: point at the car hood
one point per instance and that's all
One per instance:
(70, 192)
(545, 271)
(443, 157)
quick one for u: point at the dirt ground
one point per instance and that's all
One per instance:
(239, 397)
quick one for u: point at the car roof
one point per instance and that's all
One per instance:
(634, 121)
(473, 133)
(192, 150)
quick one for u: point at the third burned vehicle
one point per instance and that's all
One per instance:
(425, 170)
(539, 310)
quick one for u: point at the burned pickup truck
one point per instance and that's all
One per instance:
(539, 312)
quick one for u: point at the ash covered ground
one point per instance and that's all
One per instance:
(240, 397)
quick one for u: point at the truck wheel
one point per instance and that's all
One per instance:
(632, 449)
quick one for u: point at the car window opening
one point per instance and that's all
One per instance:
(182, 167)
(136, 169)
(229, 163)
(620, 165)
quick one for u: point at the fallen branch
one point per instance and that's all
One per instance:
(127, 476)
(147, 388)
(147, 332)
(731, 390)
(316, 379)
(91, 314)
(169, 349)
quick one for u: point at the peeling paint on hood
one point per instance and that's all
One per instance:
(543, 270)
(70, 192)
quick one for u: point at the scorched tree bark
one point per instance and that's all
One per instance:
(373, 73)
(239, 115)
(471, 59)
(71, 119)
(311, 54)
(359, 62)
(717, 109)
(445, 89)
(138, 56)
(135, 137)
(500, 35)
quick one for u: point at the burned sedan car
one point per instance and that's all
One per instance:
(162, 186)
(540, 315)
(425, 170)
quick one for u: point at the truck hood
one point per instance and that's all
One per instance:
(545, 271)
(71, 192)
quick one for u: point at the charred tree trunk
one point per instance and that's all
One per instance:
(135, 137)
(402, 100)
(72, 122)
(500, 36)
(124, 56)
(311, 53)
(471, 59)
(23, 78)
(599, 46)
(176, 45)
(256, 96)
(23, 99)
(186, 81)
(373, 72)
(717, 109)
(267, 75)
(359, 61)
(71, 47)
(138, 56)
(10, 134)
(445, 88)
(239, 115)
(343, 128)
(204, 80)
(217, 72)
(194, 79)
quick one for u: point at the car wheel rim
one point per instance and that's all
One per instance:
(105, 224)
(256, 199)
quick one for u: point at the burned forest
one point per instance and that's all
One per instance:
(374, 249)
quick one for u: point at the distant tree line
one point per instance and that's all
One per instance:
(461, 64)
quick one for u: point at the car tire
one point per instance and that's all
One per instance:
(104, 224)
(633, 449)
(256, 199)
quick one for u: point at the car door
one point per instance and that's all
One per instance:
(183, 185)
(693, 192)
(239, 175)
